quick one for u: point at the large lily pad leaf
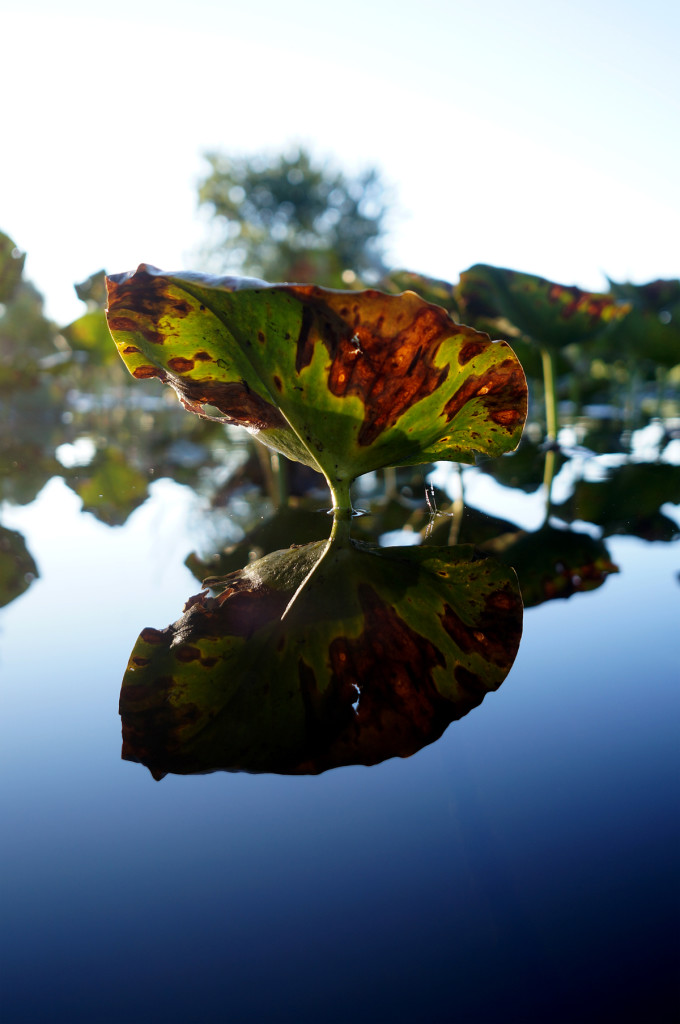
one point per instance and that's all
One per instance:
(346, 382)
(379, 651)
(90, 334)
(551, 314)
(442, 293)
(651, 331)
(110, 488)
(553, 563)
(17, 568)
(629, 501)
(523, 469)
(290, 524)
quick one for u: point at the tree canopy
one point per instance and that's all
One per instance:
(290, 218)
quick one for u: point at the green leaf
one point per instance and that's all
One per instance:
(524, 469)
(17, 568)
(429, 288)
(378, 652)
(92, 290)
(629, 501)
(290, 524)
(110, 488)
(554, 563)
(346, 382)
(651, 331)
(551, 314)
(90, 334)
(11, 267)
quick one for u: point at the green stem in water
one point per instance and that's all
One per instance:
(342, 501)
(390, 478)
(548, 476)
(340, 534)
(550, 394)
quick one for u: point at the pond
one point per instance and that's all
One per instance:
(520, 867)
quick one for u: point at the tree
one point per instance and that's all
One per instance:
(288, 218)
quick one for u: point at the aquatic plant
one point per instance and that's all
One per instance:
(345, 382)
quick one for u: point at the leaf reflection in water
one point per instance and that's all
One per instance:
(377, 653)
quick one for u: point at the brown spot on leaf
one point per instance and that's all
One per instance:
(277, 383)
(146, 293)
(471, 349)
(502, 391)
(142, 372)
(152, 636)
(134, 326)
(383, 350)
(574, 301)
(391, 663)
(130, 350)
(136, 303)
(203, 357)
(180, 365)
(317, 324)
(380, 351)
(238, 403)
(469, 680)
(186, 653)
(496, 632)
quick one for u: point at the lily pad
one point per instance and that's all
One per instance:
(554, 563)
(110, 487)
(651, 331)
(378, 652)
(429, 288)
(345, 382)
(629, 501)
(17, 568)
(90, 334)
(551, 314)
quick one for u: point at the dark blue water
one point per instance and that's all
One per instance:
(522, 868)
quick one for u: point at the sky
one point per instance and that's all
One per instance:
(541, 135)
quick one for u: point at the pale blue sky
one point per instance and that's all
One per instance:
(539, 135)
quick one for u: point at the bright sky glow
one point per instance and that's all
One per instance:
(541, 135)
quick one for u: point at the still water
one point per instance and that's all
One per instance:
(522, 868)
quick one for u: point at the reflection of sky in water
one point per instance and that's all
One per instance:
(519, 869)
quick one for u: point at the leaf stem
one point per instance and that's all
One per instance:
(551, 420)
(340, 534)
(342, 501)
(548, 476)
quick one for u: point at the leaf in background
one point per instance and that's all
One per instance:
(92, 291)
(553, 563)
(90, 334)
(17, 568)
(289, 524)
(346, 382)
(441, 293)
(11, 267)
(524, 468)
(110, 488)
(628, 502)
(551, 314)
(652, 329)
(380, 650)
